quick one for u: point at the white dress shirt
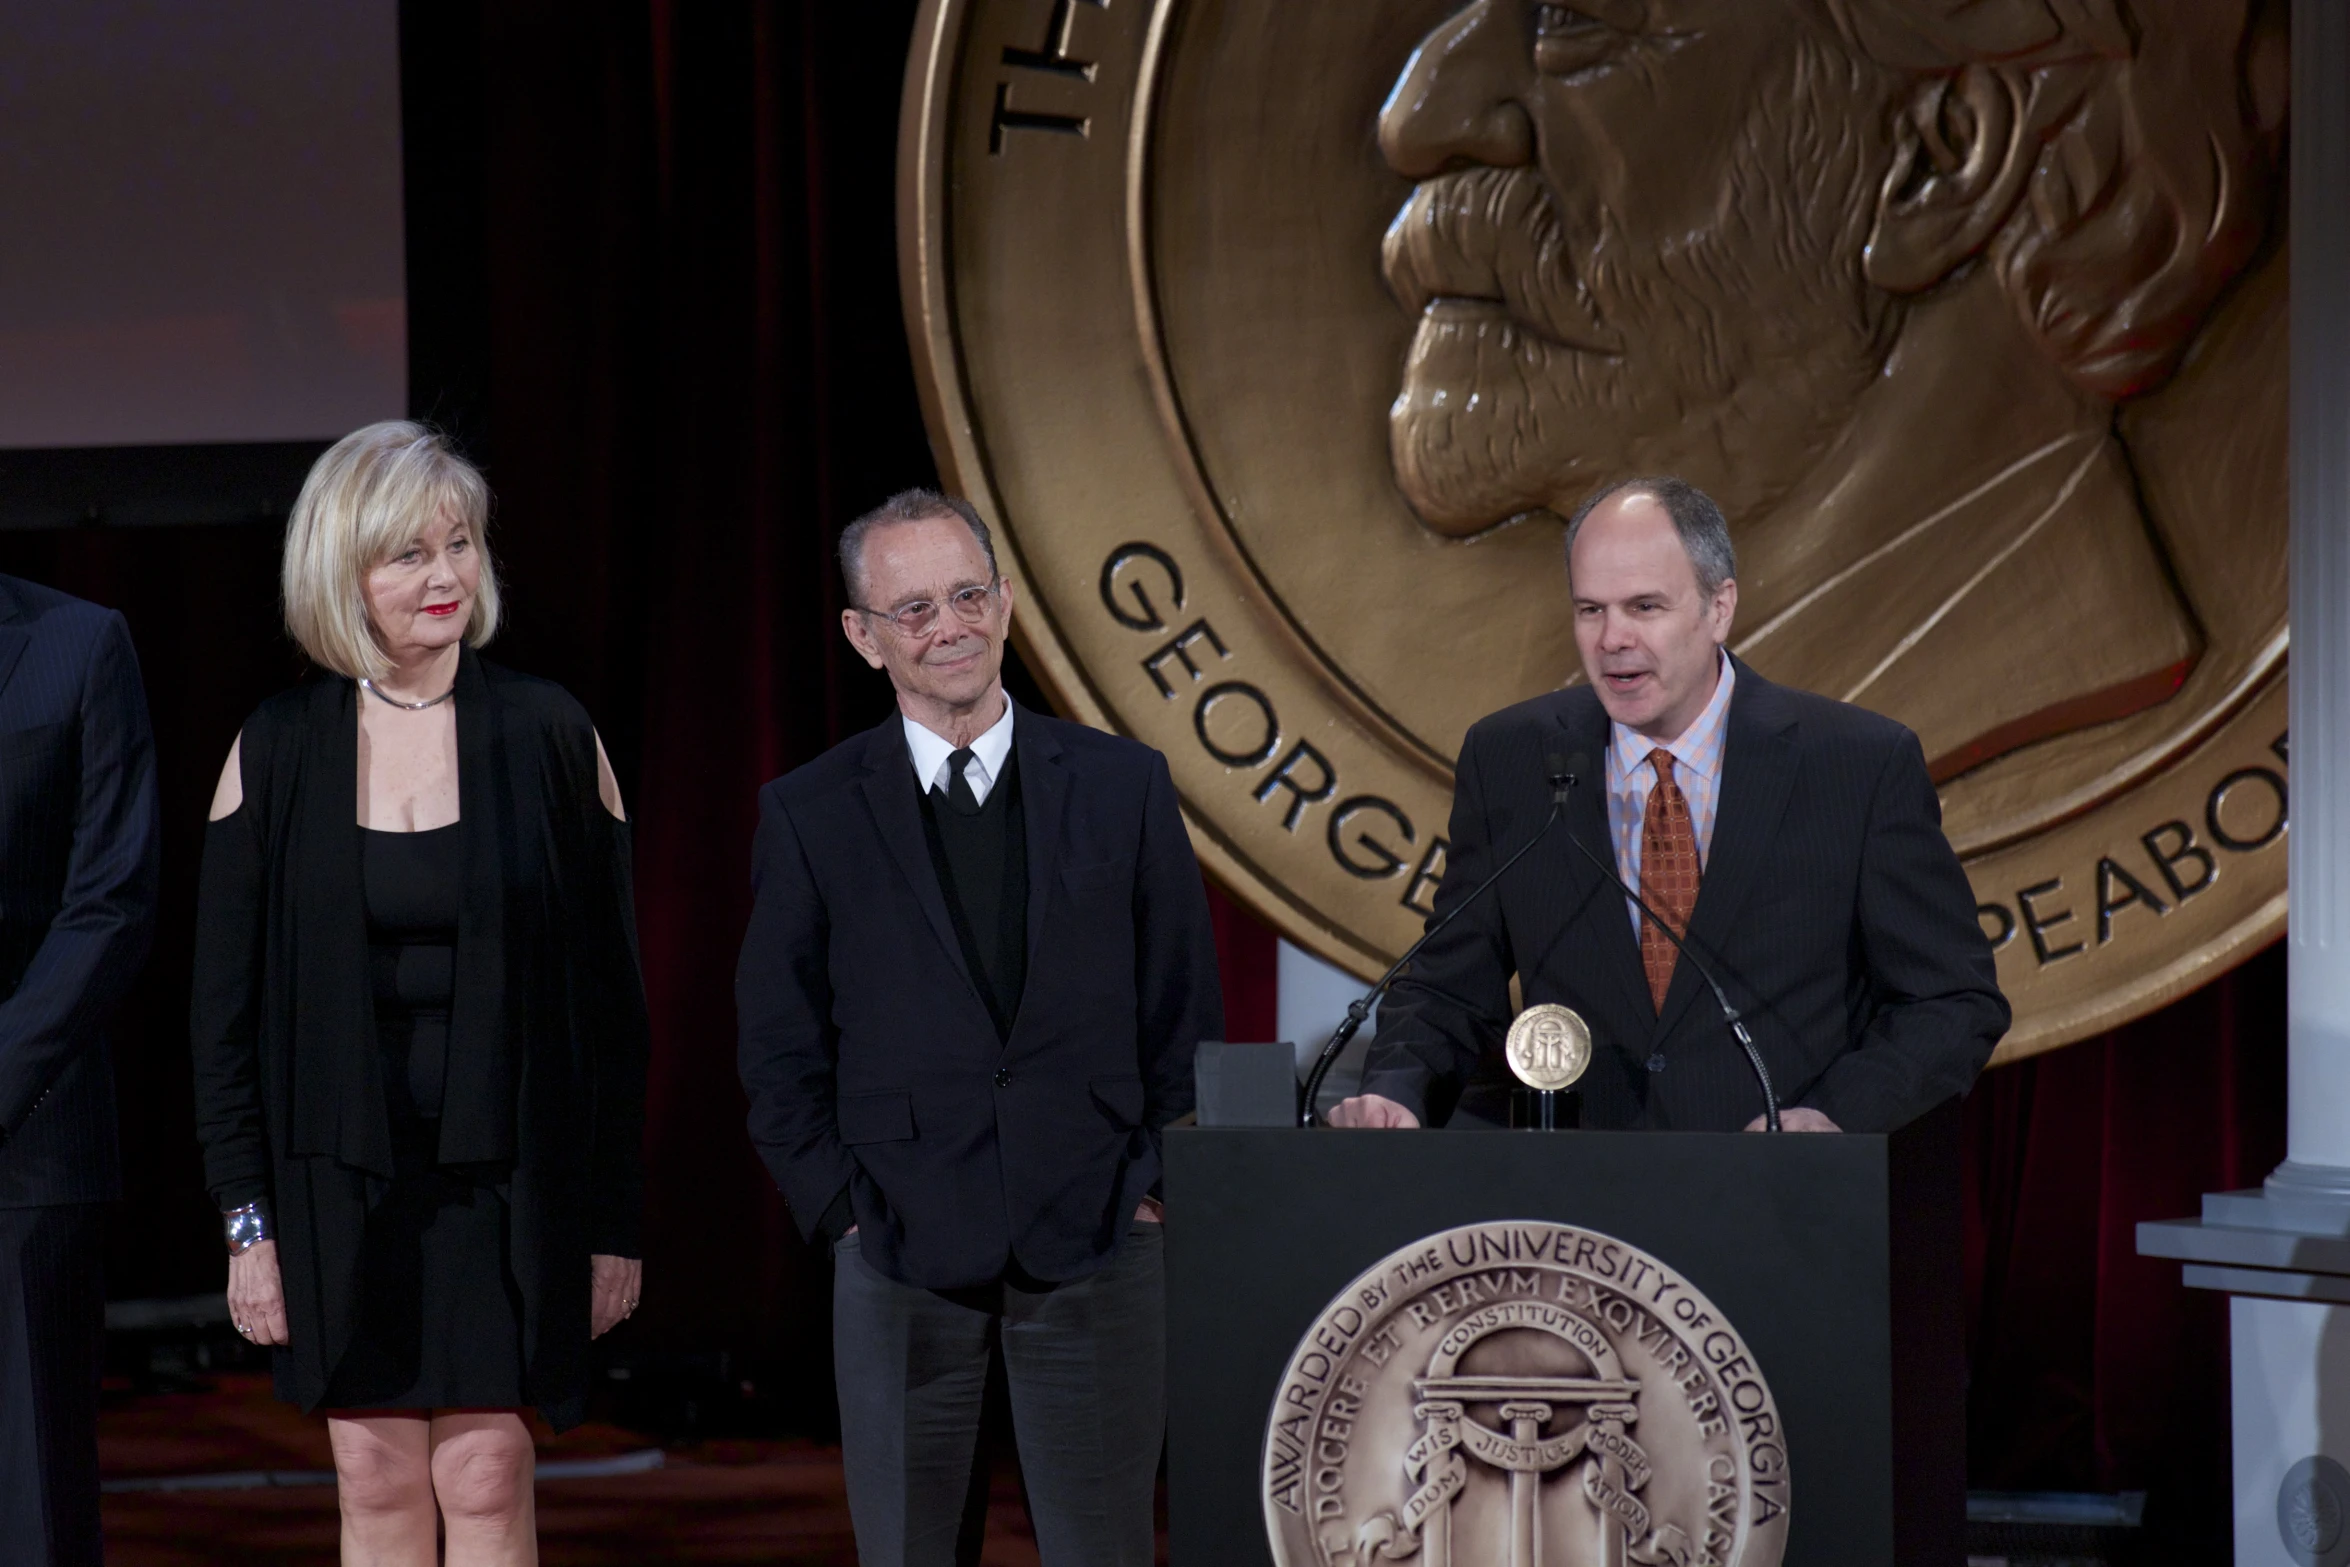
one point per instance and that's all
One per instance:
(1697, 768)
(930, 753)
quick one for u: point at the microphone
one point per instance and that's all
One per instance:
(1564, 772)
(1360, 1012)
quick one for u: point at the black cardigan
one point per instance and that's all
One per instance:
(548, 1036)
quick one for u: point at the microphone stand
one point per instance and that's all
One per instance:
(1360, 1012)
(1561, 783)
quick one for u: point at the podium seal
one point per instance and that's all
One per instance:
(1524, 1393)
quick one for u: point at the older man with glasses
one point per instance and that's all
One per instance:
(978, 964)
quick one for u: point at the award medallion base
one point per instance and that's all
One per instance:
(1545, 1109)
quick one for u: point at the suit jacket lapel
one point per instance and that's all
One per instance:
(1587, 728)
(1044, 796)
(1758, 775)
(890, 793)
(14, 638)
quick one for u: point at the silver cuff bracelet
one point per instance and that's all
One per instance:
(245, 1227)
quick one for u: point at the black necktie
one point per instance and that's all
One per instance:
(959, 794)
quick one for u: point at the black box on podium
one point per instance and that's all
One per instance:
(1540, 1349)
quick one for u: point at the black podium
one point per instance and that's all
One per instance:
(1837, 1258)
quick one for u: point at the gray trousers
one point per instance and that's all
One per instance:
(1086, 1368)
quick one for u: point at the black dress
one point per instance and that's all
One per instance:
(396, 1231)
(440, 1323)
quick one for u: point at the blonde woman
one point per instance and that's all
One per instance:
(418, 1022)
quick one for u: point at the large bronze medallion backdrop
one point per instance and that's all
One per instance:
(1278, 338)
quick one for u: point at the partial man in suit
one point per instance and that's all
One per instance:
(78, 848)
(1795, 842)
(978, 964)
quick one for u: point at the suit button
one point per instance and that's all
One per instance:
(1003, 1077)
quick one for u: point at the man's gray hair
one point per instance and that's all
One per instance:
(1705, 534)
(916, 505)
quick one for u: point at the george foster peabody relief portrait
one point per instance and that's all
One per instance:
(1970, 313)
(1877, 275)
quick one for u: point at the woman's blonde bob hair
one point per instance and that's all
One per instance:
(366, 500)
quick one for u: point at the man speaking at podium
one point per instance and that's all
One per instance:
(1794, 842)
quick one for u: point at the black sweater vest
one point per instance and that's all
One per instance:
(982, 864)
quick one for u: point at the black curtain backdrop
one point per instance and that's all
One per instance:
(653, 286)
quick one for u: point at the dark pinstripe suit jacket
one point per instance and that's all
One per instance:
(79, 842)
(1832, 910)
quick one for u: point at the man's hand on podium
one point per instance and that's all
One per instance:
(1798, 1120)
(1371, 1110)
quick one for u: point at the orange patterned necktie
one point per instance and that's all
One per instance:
(1668, 874)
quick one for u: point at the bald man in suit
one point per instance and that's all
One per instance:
(1794, 842)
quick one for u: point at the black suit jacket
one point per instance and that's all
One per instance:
(1831, 908)
(79, 841)
(871, 1062)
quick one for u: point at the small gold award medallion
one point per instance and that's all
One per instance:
(1524, 1393)
(1549, 1046)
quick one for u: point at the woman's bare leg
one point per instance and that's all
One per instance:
(383, 1481)
(483, 1470)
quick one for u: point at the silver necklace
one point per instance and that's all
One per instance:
(373, 690)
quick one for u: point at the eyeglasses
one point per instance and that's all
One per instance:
(920, 617)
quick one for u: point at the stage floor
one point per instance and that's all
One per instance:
(717, 1501)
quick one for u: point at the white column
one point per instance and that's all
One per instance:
(2319, 1001)
(2284, 1252)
